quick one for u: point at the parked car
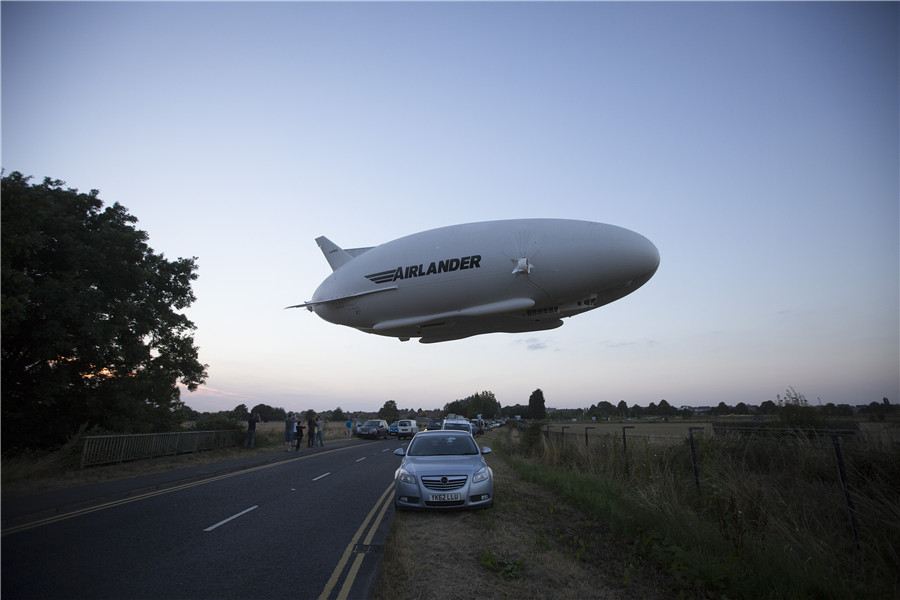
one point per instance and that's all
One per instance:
(392, 428)
(443, 469)
(406, 428)
(375, 428)
(458, 424)
(434, 424)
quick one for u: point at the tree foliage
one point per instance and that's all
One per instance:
(389, 412)
(269, 413)
(536, 407)
(516, 410)
(93, 331)
(479, 403)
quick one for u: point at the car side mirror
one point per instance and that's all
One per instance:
(485, 450)
(402, 452)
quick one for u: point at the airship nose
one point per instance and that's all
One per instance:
(639, 261)
(649, 258)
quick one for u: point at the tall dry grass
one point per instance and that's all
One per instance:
(770, 518)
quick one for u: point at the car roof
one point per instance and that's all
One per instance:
(439, 432)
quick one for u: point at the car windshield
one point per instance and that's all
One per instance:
(371, 424)
(442, 445)
(405, 423)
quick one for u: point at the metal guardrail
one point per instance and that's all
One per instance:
(103, 449)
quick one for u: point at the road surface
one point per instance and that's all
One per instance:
(307, 525)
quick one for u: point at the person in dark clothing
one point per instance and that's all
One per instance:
(252, 420)
(299, 436)
(311, 433)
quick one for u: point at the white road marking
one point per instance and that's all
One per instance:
(359, 459)
(321, 476)
(231, 517)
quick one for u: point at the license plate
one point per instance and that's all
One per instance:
(443, 497)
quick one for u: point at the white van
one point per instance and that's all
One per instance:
(406, 428)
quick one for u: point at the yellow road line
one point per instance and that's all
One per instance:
(84, 511)
(357, 562)
(383, 501)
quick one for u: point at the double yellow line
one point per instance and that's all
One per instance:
(379, 508)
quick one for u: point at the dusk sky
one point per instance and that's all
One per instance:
(757, 145)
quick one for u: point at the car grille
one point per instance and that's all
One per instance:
(445, 483)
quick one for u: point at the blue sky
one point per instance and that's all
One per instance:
(756, 144)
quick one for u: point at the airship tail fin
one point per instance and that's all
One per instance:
(334, 254)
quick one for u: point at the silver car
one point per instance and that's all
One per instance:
(443, 469)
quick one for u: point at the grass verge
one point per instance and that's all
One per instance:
(531, 544)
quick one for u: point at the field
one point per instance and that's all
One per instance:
(786, 514)
(333, 431)
(667, 428)
(663, 429)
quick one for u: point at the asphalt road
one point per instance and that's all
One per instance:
(307, 525)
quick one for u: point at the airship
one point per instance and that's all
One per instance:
(455, 282)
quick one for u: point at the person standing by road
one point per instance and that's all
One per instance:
(252, 420)
(311, 433)
(349, 424)
(299, 435)
(320, 430)
(289, 424)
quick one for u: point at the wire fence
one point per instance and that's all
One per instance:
(104, 449)
(745, 473)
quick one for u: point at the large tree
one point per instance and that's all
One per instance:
(93, 331)
(536, 408)
(482, 403)
(389, 412)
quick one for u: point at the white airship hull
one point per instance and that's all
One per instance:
(498, 276)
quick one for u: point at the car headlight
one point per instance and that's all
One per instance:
(480, 475)
(407, 477)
